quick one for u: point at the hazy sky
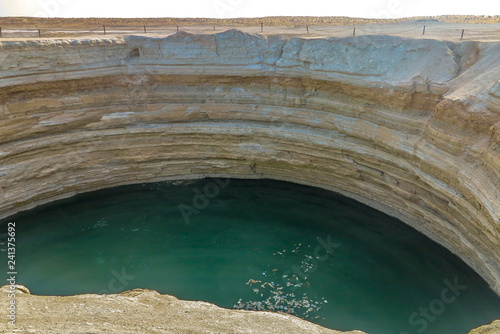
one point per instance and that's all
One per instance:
(245, 8)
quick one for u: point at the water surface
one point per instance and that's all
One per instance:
(250, 244)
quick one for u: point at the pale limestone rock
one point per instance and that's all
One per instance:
(493, 328)
(411, 127)
(143, 311)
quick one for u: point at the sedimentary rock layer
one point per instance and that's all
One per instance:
(411, 127)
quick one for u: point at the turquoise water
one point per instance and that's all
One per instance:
(247, 244)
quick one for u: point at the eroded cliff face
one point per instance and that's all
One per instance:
(411, 127)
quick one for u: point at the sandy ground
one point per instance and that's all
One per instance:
(433, 30)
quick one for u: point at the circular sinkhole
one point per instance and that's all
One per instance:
(256, 245)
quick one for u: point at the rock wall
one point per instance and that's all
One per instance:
(411, 127)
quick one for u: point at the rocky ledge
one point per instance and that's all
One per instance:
(144, 311)
(410, 127)
(493, 328)
(147, 311)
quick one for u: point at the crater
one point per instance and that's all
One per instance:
(328, 113)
